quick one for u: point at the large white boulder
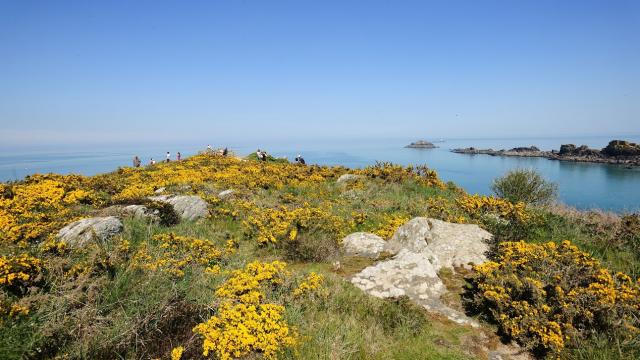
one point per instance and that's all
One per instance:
(423, 246)
(82, 232)
(452, 244)
(188, 207)
(363, 244)
(349, 177)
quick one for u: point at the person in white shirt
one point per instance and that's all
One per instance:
(152, 162)
(168, 156)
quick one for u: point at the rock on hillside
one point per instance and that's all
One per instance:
(348, 177)
(81, 232)
(188, 207)
(363, 244)
(423, 246)
(452, 244)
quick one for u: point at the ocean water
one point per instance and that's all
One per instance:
(581, 185)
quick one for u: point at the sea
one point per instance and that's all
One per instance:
(581, 185)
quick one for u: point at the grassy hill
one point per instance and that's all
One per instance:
(258, 277)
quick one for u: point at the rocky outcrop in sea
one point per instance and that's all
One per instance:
(421, 144)
(617, 152)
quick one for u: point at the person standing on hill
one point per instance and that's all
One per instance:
(225, 151)
(300, 160)
(136, 161)
(178, 156)
(168, 156)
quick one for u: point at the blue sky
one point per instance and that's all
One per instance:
(104, 71)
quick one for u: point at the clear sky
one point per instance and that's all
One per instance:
(101, 71)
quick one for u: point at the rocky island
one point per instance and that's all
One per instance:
(618, 152)
(421, 144)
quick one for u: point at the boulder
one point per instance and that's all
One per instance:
(81, 232)
(452, 244)
(423, 246)
(349, 177)
(226, 194)
(363, 244)
(407, 272)
(141, 212)
(410, 274)
(134, 211)
(413, 235)
(458, 245)
(188, 207)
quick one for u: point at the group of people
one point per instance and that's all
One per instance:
(222, 152)
(137, 162)
(262, 156)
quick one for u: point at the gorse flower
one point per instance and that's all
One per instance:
(177, 252)
(243, 324)
(549, 296)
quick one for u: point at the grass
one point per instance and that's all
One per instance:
(120, 312)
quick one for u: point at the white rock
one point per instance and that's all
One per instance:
(81, 232)
(226, 194)
(451, 244)
(363, 244)
(349, 177)
(413, 235)
(188, 207)
(423, 246)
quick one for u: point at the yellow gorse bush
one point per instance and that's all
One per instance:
(177, 252)
(477, 205)
(270, 225)
(32, 209)
(549, 296)
(19, 271)
(390, 224)
(240, 329)
(246, 285)
(243, 324)
(397, 173)
(311, 283)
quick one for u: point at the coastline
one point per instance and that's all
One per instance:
(618, 152)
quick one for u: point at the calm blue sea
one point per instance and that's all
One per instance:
(581, 185)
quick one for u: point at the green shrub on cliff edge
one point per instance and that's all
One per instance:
(525, 185)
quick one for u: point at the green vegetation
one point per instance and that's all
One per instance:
(525, 185)
(142, 293)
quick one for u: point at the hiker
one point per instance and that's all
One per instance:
(152, 162)
(225, 151)
(178, 156)
(209, 149)
(260, 154)
(136, 161)
(168, 156)
(300, 160)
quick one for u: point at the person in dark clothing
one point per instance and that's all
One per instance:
(225, 151)
(178, 156)
(136, 161)
(300, 160)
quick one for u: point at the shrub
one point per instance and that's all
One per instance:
(525, 185)
(166, 212)
(549, 297)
